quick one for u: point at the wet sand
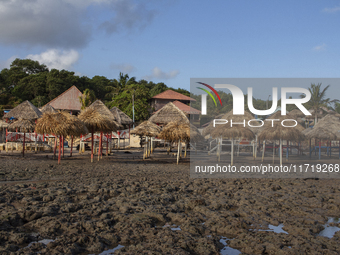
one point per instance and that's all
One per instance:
(153, 207)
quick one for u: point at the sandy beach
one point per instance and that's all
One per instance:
(153, 207)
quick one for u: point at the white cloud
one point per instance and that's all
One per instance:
(67, 23)
(124, 68)
(332, 10)
(56, 58)
(157, 73)
(320, 47)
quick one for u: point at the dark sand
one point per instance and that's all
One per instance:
(122, 200)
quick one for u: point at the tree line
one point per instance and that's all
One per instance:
(27, 79)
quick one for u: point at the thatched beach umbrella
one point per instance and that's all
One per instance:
(225, 131)
(98, 118)
(56, 124)
(76, 127)
(276, 131)
(147, 129)
(237, 130)
(121, 118)
(169, 113)
(328, 128)
(25, 110)
(177, 132)
(48, 108)
(22, 125)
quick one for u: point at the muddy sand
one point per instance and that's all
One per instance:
(129, 206)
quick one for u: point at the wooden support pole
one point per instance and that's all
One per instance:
(59, 156)
(107, 144)
(232, 151)
(263, 149)
(23, 146)
(273, 152)
(179, 144)
(280, 152)
(55, 146)
(62, 144)
(92, 146)
(71, 145)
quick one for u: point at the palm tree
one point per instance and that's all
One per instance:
(120, 84)
(87, 98)
(318, 99)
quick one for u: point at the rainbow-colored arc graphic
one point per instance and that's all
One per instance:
(208, 92)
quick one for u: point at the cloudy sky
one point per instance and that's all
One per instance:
(172, 41)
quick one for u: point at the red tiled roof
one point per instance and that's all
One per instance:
(185, 108)
(170, 94)
(68, 100)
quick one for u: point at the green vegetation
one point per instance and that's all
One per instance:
(318, 99)
(29, 80)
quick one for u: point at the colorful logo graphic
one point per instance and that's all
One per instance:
(208, 92)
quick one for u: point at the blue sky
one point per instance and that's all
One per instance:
(173, 41)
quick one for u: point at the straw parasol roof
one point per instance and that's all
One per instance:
(3, 124)
(232, 132)
(306, 131)
(195, 134)
(229, 115)
(278, 131)
(327, 128)
(120, 116)
(98, 118)
(235, 118)
(175, 131)
(22, 125)
(169, 113)
(296, 113)
(25, 110)
(321, 133)
(147, 128)
(48, 108)
(53, 123)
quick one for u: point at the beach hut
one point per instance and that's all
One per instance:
(276, 131)
(98, 118)
(328, 128)
(22, 125)
(149, 130)
(169, 113)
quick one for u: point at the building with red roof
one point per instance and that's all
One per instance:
(158, 101)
